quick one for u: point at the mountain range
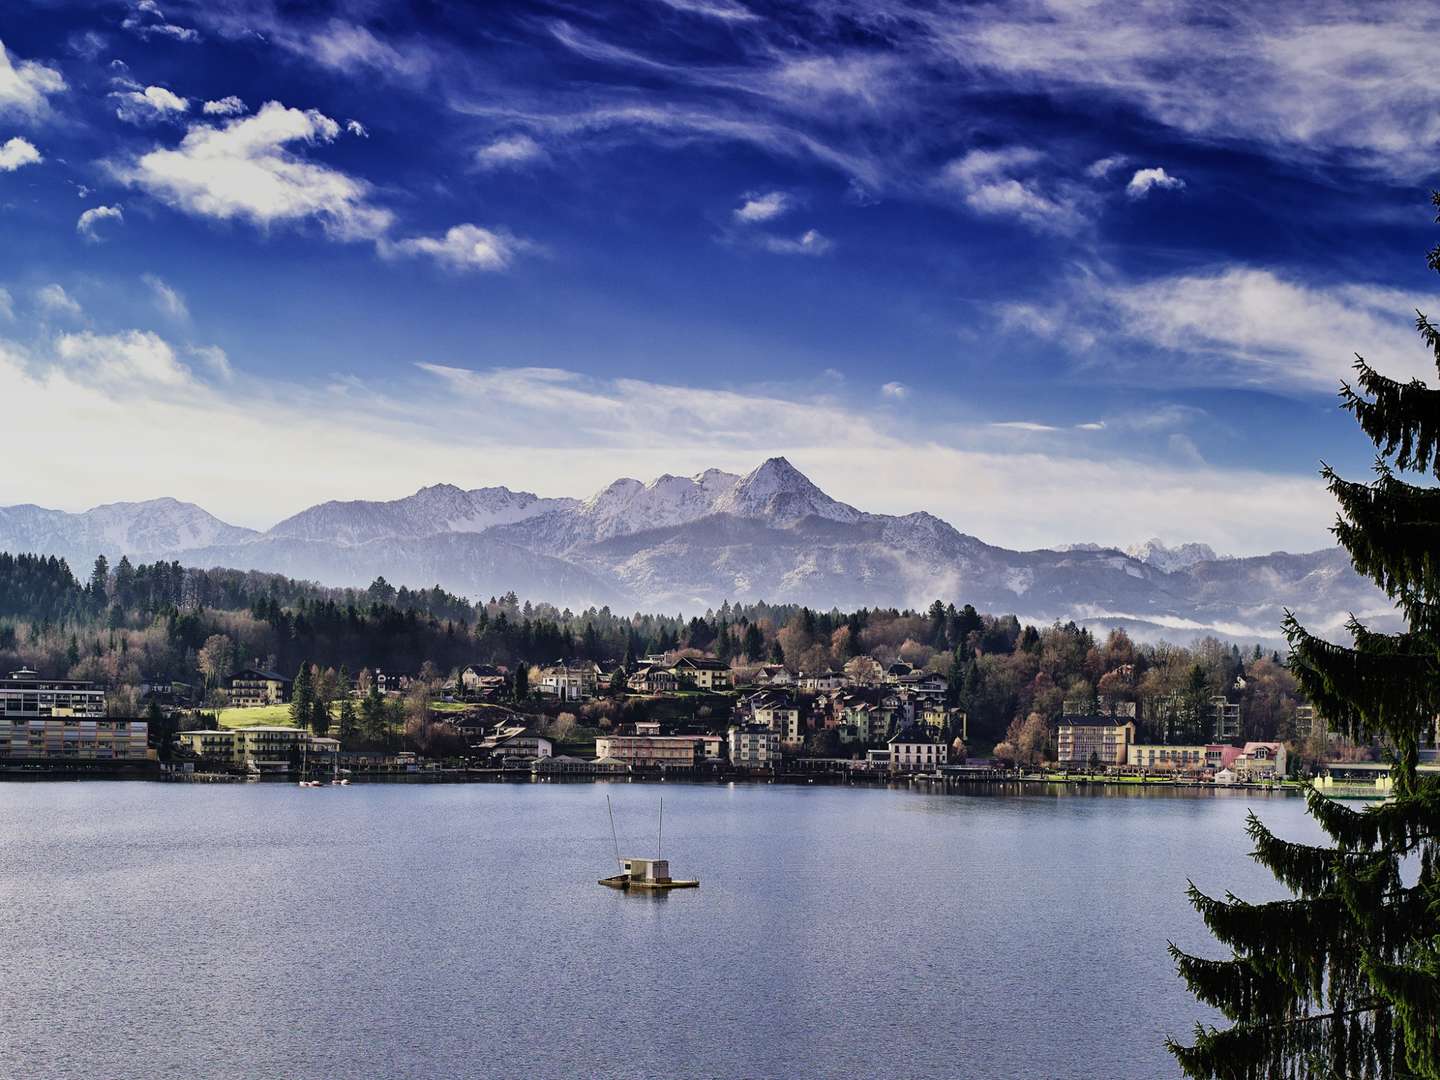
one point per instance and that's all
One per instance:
(683, 543)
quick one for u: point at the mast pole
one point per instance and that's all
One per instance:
(613, 836)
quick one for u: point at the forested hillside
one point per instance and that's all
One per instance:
(124, 625)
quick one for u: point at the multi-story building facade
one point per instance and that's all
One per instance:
(753, 746)
(250, 687)
(1225, 718)
(1080, 739)
(64, 718)
(703, 673)
(570, 682)
(651, 751)
(779, 712)
(25, 694)
(916, 749)
(260, 749)
(1168, 758)
(1260, 761)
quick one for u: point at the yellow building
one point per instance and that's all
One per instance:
(260, 749)
(250, 687)
(64, 718)
(1081, 738)
(671, 751)
(104, 739)
(703, 673)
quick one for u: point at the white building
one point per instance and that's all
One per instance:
(570, 682)
(754, 747)
(916, 749)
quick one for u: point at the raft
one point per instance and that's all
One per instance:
(625, 881)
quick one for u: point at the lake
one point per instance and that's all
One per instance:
(457, 930)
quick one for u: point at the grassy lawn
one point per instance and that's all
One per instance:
(449, 706)
(268, 715)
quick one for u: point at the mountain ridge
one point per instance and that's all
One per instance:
(691, 542)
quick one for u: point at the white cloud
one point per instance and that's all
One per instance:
(147, 20)
(463, 247)
(1250, 326)
(7, 305)
(135, 356)
(1183, 448)
(250, 168)
(1008, 183)
(810, 242)
(762, 207)
(896, 390)
(16, 153)
(226, 106)
(130, 400)
(216, 359)
(26, 86)
(727, 10)
(167, 299)
(1098, 170)
(508, 151)
(90, 223)
(1024, 425)
(1093, 425)
(150, 105)
(356, 128)
(1144, 180)
(1325, 76)
(346, 47)
(52, 299)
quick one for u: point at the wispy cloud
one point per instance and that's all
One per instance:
(52, 299)
(762, 207)
(509, 151)
(810, 242)
(726, 10)
(146, 19)
(463, 247)
(167, 299)
(1010, 182)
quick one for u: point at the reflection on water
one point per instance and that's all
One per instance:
(265, 931)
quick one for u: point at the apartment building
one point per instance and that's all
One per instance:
(754, 746)
(1081, 738)
(651, 751)
(261, 749)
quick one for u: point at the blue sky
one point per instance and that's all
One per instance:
(1056, 272)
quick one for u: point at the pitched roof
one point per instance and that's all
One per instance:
(915, 734)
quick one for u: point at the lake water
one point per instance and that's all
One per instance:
(440, 931)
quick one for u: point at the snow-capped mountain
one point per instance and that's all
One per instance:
(688, 543)
(781, 494)
(155, 528)
(1155, 552)
(442, 508)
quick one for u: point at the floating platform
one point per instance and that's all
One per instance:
(626, 882)
(652, 875)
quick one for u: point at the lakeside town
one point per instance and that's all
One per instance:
(663, 716)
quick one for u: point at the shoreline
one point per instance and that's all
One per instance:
(150, 772)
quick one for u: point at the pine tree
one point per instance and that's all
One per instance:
(1344, 979)
(302, 698)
